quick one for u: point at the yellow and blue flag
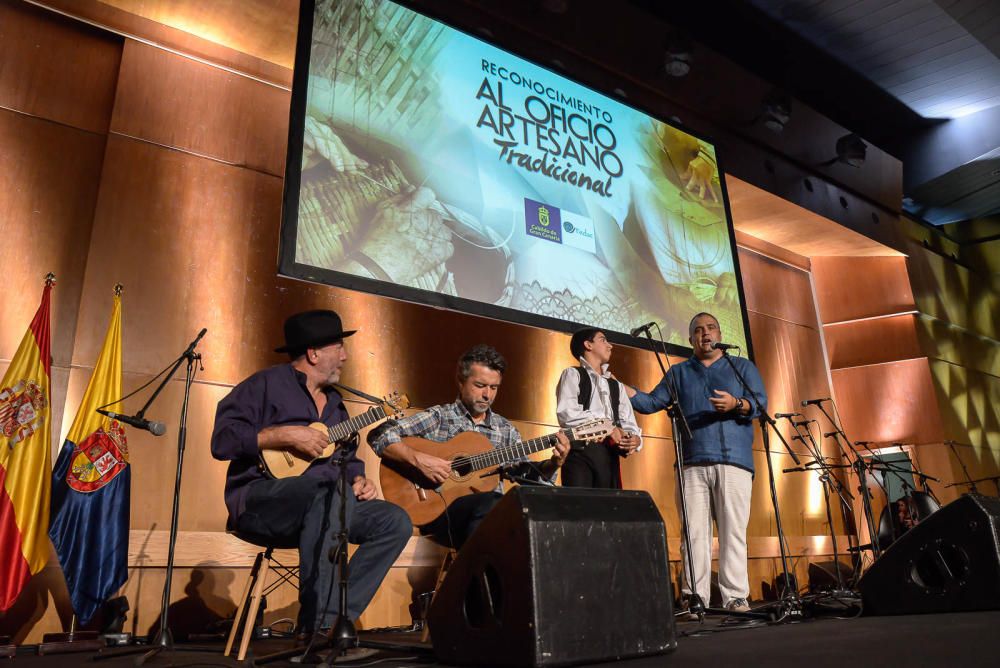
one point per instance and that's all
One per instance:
(91, 486)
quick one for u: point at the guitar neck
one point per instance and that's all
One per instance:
(343, 430)
(499, 456)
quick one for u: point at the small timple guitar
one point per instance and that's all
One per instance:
(282, 463)
(468, 452)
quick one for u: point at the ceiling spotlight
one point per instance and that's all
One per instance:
(851, 150)
(777, 111)
(678, 55)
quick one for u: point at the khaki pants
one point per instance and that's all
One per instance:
(722, 491)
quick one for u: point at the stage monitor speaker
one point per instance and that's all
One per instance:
(556, 576)
(948, 562)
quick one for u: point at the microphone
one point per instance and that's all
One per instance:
(641, 328)
(787, 415)
(863, 442)
(719, 345)
(154, 428)
(193, 344)
(830, 433)
(814, 402)
(801, 423)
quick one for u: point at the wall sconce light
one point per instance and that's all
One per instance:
(851, 151)
(678, 55)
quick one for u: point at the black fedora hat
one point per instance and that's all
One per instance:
(311, 329)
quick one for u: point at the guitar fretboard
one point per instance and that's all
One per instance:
(343, 430)
(499, 456)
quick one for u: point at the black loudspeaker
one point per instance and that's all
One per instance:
(948, 562)
(556, 576)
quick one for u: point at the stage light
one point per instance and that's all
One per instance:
(678, 55)
(777, 111)
(851, 150)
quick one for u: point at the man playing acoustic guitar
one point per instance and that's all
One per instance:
(479, 374)
(272, 409)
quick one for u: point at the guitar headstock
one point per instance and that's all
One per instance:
(595, 430)
(394, 404)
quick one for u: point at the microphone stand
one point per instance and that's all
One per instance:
(995, 479)
(968, 478)
(164, 639)
(790, 605)
(828, 480)
(342, 636)
(682, 432)
(859, 468)
(510, 472)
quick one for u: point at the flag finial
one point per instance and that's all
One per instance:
(118, 289)
(50, 278)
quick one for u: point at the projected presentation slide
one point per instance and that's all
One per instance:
(437, 168)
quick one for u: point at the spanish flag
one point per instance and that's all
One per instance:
(25, 462)
(91, 486)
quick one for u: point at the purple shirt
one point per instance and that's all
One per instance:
(273, 397)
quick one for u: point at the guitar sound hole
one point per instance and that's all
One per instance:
(461, 466)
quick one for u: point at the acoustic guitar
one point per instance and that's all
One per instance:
(468, 452)
(282, 463)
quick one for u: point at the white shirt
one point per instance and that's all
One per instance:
(570, 413)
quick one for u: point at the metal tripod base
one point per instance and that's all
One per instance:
(340, 638)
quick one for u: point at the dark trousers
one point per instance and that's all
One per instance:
(592, 465)
(306, 511)
(459, 522)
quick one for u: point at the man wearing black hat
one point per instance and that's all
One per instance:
(272, 409)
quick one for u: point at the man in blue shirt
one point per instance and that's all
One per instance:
(272, 409)
(718, 458)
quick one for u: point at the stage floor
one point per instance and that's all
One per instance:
(967, 640)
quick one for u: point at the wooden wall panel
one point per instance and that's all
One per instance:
(888, 403)
(873, 341)
(940, 340)
(792, 228)
(199, 108)
(72, 83)
(849, 288)
(49, 178)
(969, 404)
(776, 290)
(790, 359)
(263, 28)
(950, 292)
(172, 34)
(173, 228)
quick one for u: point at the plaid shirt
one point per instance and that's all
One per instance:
(442, 423)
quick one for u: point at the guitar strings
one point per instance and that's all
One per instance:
(509, 450)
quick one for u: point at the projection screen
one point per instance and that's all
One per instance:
(428, 165)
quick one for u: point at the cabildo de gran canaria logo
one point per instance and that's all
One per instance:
(551, 223)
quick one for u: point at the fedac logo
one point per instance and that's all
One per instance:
(542, 220)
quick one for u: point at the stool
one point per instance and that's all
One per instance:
(257, 588)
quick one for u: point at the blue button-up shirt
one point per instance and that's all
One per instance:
(270, 398)
(716, 438)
